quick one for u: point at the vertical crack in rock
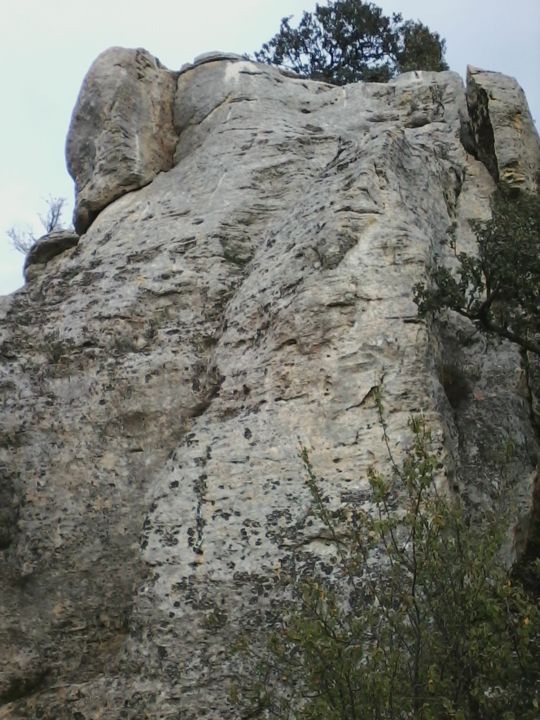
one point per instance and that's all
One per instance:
(480, 125)
(9, 503)
(505, 134)
(527, 530)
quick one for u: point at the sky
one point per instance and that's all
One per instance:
(47, 46)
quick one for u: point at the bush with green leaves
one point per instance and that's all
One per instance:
(424, 621)
(349, 40)
(499, 288)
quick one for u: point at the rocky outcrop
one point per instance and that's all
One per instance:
(252, 293)
(46, 248)
(505, 135)
(121, 134)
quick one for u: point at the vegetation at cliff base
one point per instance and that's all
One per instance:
(348, 40)
(424, 622)
(499, 288)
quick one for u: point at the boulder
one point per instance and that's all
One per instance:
(504, 128)
(121, 134)
(47, 247)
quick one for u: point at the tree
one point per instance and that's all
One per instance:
(24, 240)
(499, 288)
(350, 40)
(426, 623)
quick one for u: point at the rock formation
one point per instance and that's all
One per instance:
(47, 247)
(242, 283)
(121, 131)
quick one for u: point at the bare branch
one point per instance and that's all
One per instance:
(52, 220)
(24, 240)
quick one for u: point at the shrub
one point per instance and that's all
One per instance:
(499, 288)
(424, 622)
(349, 40)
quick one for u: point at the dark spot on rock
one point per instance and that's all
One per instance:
(455, 384)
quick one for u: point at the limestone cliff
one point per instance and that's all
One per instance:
(243, 280)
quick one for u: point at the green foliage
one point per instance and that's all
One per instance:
(419, 48)
(499, 289)
(423, 623)
(349, 40)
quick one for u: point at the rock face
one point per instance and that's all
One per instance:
(244, 283)
(47, 247)
(504, 130)
(121, 134)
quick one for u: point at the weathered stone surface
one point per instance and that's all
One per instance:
(504, 127)
(156, 381)
(211, 56)
(47, 247)
(121, 132)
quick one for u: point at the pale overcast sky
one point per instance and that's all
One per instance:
(46, 47)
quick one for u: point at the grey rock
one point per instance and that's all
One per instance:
(212, 56)
(47, 247)
(156, 381)
(216, 55)
(121, 132)
(504, 128)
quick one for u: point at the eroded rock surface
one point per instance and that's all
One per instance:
(504, 128)
(46, 248)
(157, 378)
(121, 132)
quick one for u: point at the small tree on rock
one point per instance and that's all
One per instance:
(24, 240)
(499, 288)
(350, 40)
